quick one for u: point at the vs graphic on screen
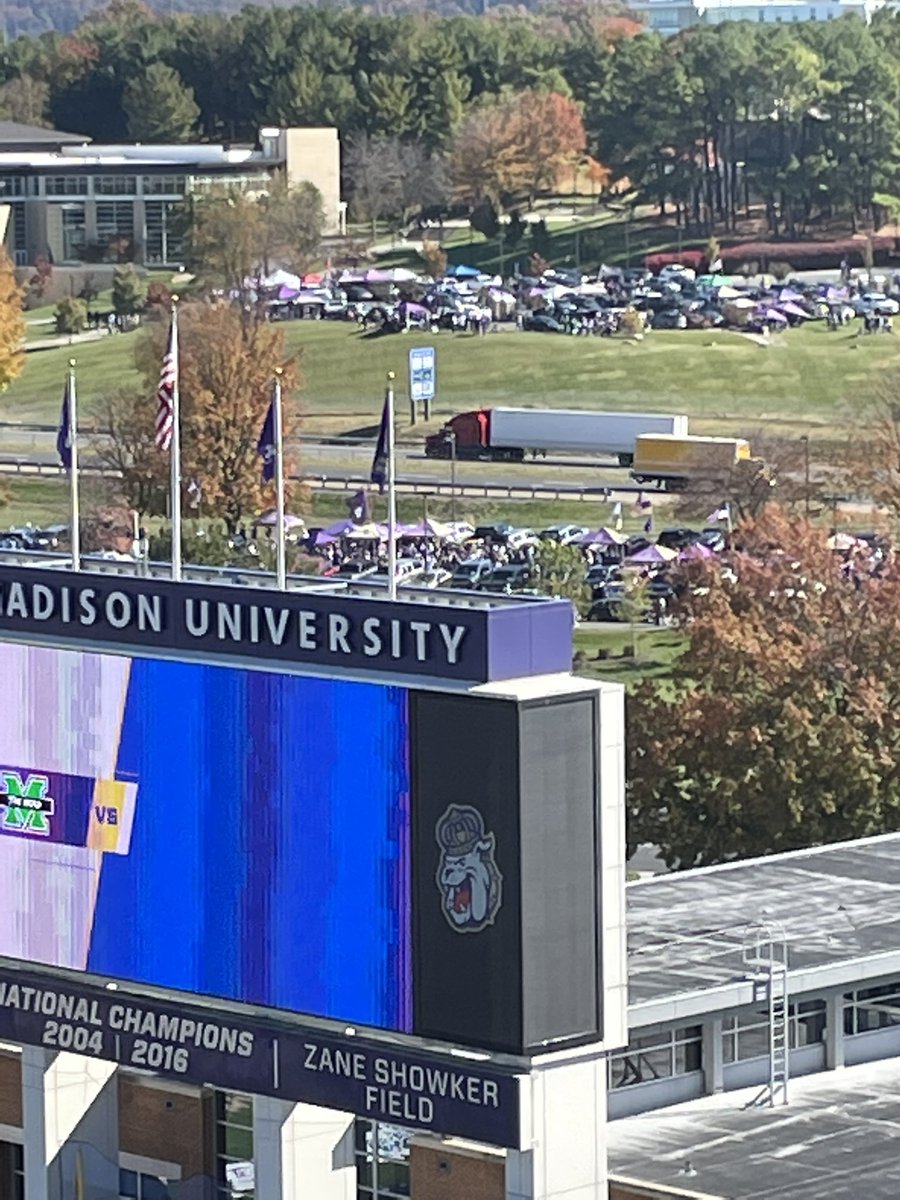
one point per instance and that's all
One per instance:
(70, 810)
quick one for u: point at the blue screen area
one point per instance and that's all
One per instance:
(269, 856)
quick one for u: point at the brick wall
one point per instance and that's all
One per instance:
(10, 1089)
(448, 1172)
(168, 1125)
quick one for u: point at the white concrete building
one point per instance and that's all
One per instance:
(671, 16)
(74, 201)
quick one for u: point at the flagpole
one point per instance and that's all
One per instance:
(280, 544)
(392, 491)
(175, 452)
(75, 510)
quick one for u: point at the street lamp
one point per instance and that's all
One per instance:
(450, 439)
(805, 440)
(833, 502)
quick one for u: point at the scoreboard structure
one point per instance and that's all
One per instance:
(316, 847)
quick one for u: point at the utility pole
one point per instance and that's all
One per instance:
(805, 440)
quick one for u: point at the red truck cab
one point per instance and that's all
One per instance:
(471, 432)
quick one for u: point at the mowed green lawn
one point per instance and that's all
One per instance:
(806, 381)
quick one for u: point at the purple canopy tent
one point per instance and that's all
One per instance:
(652, 554)
(696, 552)
(290, 521)
(603, 537)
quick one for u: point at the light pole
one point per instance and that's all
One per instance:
(805, 440)
(450, 437)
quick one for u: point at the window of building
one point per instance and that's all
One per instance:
(115, 223)
(161, 241)
(257, 181)
(72, 230)
(115, 185)
(234, 1145)
(163, 185)
(134, 1185)
(872, 1008)
(389, 1176)
(65, 185)
(12, 1171)
(657, 1056)
(747, 1034)
(13, 185)
(18, 224)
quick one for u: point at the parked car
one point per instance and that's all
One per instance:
(519, 539)
(542, 323)
(498, 532)
(600, 574)
(714, 538)
(564, 534)
(511, 577)
(678, 537)
(471, 573)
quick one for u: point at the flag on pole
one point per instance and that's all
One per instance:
(165, 393)
(64, 433)
(721, 514)
(360, 509)
(617, 514)
(380, 461)
(266, 447)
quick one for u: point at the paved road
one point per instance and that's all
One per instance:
(342, 479)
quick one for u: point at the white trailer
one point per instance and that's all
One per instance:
(546, 430)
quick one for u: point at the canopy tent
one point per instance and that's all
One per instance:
(427, 528)
(696, 552)
(843, 541)
(279, 279)
(367, 533)
(290, 521)
(603, 537)
(794, 310)
(389, 275)
(652, 554)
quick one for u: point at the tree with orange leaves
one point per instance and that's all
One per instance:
(779, 730)
(514, 145)
(226, 370)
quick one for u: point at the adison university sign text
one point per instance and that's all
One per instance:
(301, 629)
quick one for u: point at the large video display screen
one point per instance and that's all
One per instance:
(233, 833)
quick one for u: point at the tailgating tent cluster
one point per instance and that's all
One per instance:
(350, 531)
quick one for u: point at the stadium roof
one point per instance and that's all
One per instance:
(689, 932)
(18, 136)
(838, 1138)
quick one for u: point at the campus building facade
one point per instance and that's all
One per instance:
(72, 201)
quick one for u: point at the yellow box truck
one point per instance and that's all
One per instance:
(675, 462)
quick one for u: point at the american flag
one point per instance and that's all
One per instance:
(165, 393)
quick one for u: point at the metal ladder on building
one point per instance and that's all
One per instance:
(766, 959)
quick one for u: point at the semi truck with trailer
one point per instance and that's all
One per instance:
(509, 434)
(676, 462)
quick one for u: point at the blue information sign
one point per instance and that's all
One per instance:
(422, 373)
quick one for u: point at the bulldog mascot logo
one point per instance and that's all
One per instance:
(468, 878)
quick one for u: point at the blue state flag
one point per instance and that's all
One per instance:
(266, 447)
(379, 462)
(63, 434)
